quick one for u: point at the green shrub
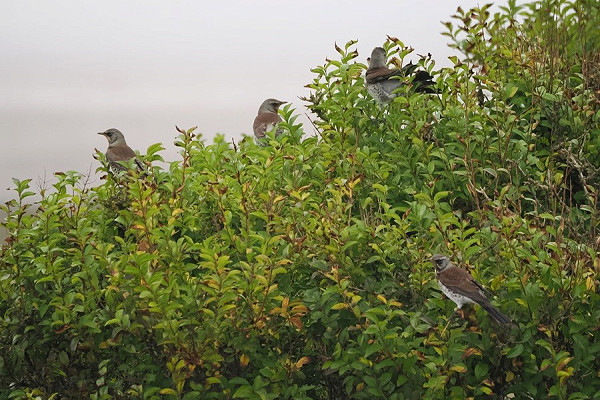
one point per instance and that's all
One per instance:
(301, 270)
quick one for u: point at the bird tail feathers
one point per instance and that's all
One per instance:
(422, 80)
(496, 314)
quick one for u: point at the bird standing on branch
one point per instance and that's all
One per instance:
(267, 118)
(461, 288)
(119, 153)
(381, 81)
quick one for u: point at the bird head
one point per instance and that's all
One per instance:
(440, 262)
(270, 105)
(377, 59)
(114, 137)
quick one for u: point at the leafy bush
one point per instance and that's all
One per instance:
(301, 270)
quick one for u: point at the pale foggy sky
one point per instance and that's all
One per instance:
(72, 68)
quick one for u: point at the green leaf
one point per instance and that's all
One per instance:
(373, 348)
(515, 351)
(481, 370)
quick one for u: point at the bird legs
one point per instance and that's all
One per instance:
(456, 311)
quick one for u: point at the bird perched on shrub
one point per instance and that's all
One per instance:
(381, 81)
(461, 288)
(119, 153)
(267, 118)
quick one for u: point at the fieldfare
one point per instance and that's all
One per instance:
(118, 153)
(381, 81)
(461, 288)
(267, 118)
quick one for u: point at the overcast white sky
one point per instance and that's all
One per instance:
(70, 69)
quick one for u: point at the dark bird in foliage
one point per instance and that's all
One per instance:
(461, 288)
(267, 118)
(381, 81)
(119, 153)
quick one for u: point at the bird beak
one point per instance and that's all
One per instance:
(102, 133)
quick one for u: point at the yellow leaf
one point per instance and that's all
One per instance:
(471, 351)
(296, 322)
(304, 360)
(521, 302)
(180, 385)
(300, 309)
(487, 390)
(563, 363)
(212, 284)
(353, 183)
(458, 368)
(589, 283)
(168, 391)
(339, 306)
(381, 299)
(510, 376)
(276, 310)
(244, 360)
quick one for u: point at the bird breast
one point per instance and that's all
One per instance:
(460, 300)
(376, 90)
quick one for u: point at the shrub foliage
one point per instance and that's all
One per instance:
(301, 270)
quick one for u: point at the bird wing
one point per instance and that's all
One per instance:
(265, 122)
(421, 80)
(118, 154)
(460, 281)
(375, 75)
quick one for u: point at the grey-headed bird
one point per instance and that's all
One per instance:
(118, 152)
(381, 81)
(267, 118)
(461, 288)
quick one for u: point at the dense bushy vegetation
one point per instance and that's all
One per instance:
(301, 270)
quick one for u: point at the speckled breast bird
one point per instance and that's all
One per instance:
(381, 81)
(118, 152)
(267, 118)
(461, 288)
